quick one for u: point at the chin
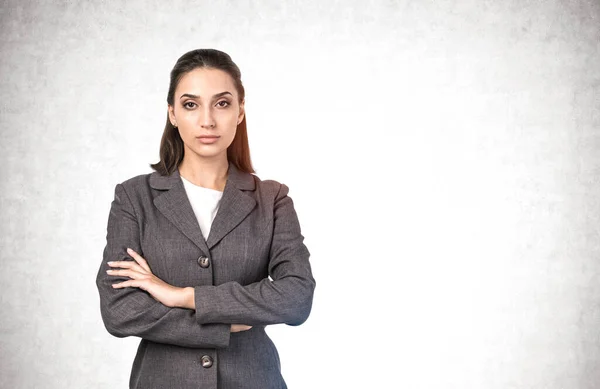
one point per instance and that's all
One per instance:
(209, 153)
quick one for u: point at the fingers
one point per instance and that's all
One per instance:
(239, 327)
(132, 283)
(138, 258)
(127, 273)
(138, 270)
(127, 265)
(132, 269)
(139, 264)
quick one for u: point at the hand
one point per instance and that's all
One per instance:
(239, 327)
(142, 277)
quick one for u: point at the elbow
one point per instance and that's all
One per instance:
(299, 316)
(113, 324)
(121, 318)
(302, 304)
(115, 331)
(129, 316)
(122, 326)
(113, 318)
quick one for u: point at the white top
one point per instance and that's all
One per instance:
(205, 203)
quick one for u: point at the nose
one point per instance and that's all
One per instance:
(207, 119)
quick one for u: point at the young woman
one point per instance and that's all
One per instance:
(201, 254)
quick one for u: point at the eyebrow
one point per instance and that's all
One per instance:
(196, 96)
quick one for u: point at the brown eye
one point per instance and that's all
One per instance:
(223, 101)
(187, 106)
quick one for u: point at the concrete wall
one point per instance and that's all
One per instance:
(443, 157)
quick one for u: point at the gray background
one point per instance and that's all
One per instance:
(442, 156)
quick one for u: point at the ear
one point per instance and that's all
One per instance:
(242, 112)
(171, 112)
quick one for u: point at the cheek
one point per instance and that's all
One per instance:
(229, 123)
(230, 118)
(187, 123)
(183, 134)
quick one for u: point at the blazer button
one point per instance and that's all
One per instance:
(203, 261)
(207, 361)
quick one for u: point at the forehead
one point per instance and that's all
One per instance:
(205, 82)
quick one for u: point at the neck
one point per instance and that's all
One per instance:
(210, 174)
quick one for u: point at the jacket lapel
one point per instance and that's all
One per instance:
(235, 205)
(174, 204)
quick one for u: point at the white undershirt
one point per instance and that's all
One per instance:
(205, 203)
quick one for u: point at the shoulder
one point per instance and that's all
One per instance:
(271, 188)
(135, 188)
(136, 182)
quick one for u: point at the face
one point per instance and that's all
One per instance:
(207, 111)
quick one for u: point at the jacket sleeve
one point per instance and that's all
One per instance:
(287, 298)
(133, 311)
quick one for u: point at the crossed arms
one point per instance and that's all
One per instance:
(201, 316)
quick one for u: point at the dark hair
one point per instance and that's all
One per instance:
(171, 145)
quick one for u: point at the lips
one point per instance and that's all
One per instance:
(207, 139)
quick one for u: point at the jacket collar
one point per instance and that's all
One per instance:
(241, 180)
(234, 206)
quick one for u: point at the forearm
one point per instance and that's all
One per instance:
(266, 302)
(132, 312)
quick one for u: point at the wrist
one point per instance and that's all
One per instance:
(187, 299)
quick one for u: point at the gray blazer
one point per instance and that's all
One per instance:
(255, 234)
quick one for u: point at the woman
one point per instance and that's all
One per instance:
(201, 254)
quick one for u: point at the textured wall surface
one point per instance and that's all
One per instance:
(443, 156)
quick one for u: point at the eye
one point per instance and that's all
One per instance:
(223, 101)
(187, 106)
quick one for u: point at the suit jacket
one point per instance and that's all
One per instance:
(255, 235)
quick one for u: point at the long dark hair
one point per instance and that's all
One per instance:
(171, 145)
